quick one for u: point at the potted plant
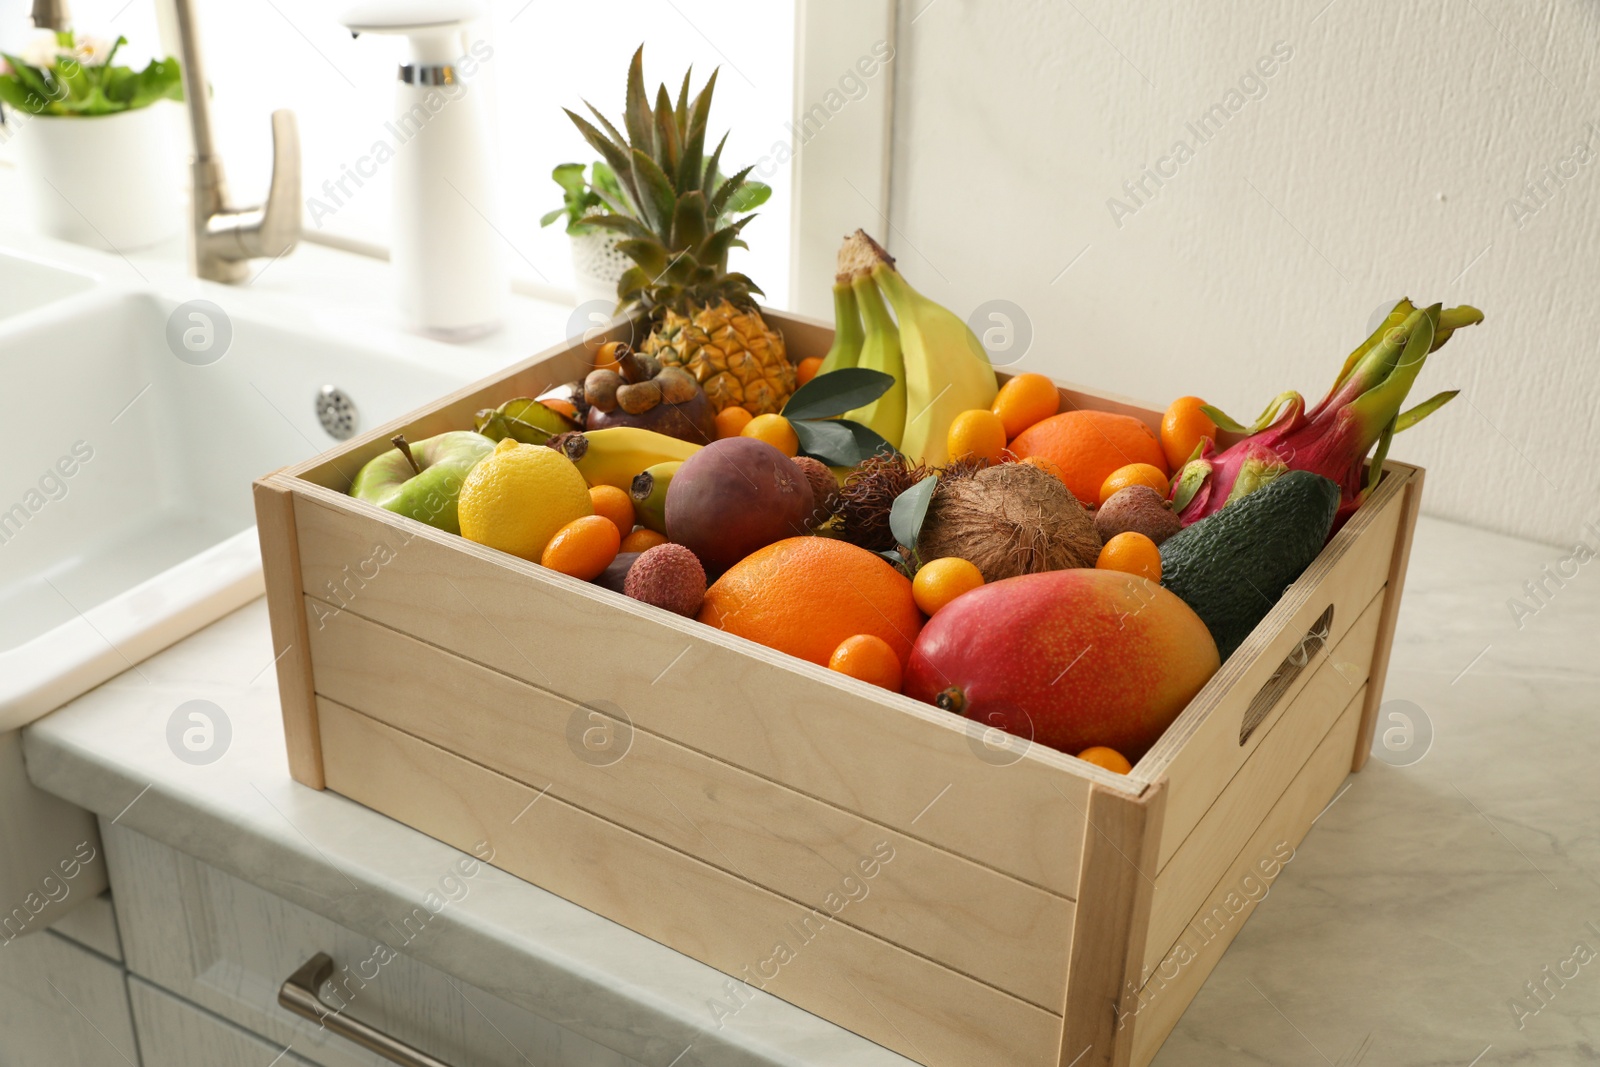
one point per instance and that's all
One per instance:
(100, 163)
(597, 261)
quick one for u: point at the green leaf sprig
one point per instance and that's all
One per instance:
(814, 412)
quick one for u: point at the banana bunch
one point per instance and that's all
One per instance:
(947, 369)
(939, 366)
(618, 454)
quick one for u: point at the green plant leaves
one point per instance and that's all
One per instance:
(71, 87)
(750, 196)
(838, 442)
(837, 392)
(909, 509)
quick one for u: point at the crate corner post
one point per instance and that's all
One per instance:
(1121, 849)
(1411, 507)
(280, 565)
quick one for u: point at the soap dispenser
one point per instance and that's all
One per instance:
(447, 255)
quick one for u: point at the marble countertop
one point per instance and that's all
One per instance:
(1427, 902)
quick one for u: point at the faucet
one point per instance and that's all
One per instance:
(51, 15)
(223, 238)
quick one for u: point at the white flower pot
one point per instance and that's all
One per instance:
(108, 181)
(597, 264)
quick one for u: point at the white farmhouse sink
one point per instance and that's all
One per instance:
(126, 519)
(27, 283)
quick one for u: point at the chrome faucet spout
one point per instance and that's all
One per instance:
(224, 238)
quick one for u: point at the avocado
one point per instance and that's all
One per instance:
(1232, 566)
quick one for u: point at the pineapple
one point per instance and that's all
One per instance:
(703, 316)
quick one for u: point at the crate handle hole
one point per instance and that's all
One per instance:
(1315, 640)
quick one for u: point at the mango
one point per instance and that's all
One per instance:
(1069, 659)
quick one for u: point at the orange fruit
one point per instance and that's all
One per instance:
(1088, 446)
(977, 434)
(775, 431)
(1182, 427)
(869, 658)
(804, 595)
(1109, 758)
(583, 547)
(605, 357)
(1025, 400)
(731, 420)
(641, 540)
(807, 370)
(615, 505)
(940, 581)
(1132, 474)
(1133, 553)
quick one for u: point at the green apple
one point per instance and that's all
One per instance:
(422, 481)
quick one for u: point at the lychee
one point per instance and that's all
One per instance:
(667, 576)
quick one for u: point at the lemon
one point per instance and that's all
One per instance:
(519, 496)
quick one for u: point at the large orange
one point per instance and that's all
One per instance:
(1088, 445)
(805, 595)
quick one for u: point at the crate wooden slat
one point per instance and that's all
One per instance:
(1201, 752)
(904, 1001)
(658, 668)
(1154, 1010)
(927, 900)
(1030, 913)
(1241, 806)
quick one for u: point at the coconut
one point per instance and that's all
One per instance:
(1009, 520)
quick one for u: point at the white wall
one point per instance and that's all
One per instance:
(1378, 161)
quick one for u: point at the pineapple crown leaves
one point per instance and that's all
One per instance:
(676, 197)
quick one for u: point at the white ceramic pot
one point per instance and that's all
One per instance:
(108, 181)
(597, 264)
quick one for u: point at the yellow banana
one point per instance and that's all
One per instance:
(880, 351)
(615, 455)
(947, 370)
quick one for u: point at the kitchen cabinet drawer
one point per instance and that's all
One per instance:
(175, 1033)
(62, 1006)
(227, 946)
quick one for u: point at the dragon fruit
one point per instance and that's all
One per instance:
(1334, 438)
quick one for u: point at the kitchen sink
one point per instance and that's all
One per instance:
(27, 283)
(133, 423)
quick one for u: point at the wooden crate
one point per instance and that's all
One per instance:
(854, 852)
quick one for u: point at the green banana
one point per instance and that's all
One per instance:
(880, 351)
(847, 331)
(649, 493)
(946, 370)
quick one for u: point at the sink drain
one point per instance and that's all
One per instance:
(337, 413)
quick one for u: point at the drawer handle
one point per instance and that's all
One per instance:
(1315, 640)
(299, 994)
